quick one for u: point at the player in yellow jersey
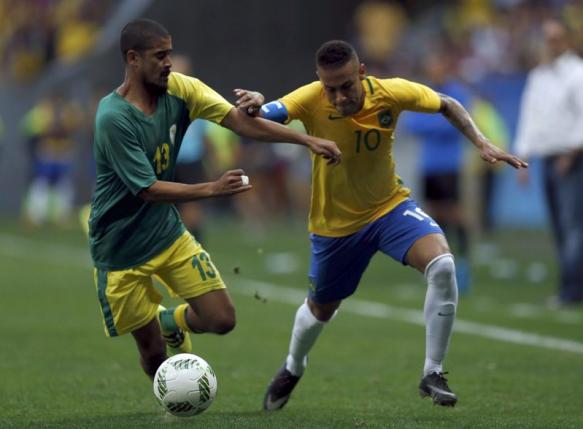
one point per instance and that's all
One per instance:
(135, 231)
(361, 206)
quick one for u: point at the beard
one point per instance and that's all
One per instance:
(349, 109)
(353, 107)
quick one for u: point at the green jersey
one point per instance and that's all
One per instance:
(132, 151)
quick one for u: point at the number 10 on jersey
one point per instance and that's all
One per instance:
(371, 139)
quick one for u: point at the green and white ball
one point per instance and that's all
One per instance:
(185, 385)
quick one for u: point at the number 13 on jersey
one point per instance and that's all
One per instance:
(162, 158)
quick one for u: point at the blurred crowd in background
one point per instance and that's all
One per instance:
(53, 60)
(478, 37)
(36, 33)
(453, 45)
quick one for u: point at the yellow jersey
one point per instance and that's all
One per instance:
(364, 186)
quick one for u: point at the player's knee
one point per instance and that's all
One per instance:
(441, 271)
(224, 326)
(224, 322)
(323, 315)
(325, 312)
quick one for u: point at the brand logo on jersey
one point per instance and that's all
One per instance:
(172, 133)
(385, 118)
(334, 117)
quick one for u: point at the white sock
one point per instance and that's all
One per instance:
(38, 201)
(439, 311)
(304, 334)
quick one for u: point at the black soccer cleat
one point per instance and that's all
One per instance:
(435, 386)
(279, 390)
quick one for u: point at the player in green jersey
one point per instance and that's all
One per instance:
(135, 230)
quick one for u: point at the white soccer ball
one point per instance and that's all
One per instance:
(185, 385)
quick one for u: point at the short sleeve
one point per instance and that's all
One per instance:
(412, 96)
(123, 153)
(201, 100)
(298, 102)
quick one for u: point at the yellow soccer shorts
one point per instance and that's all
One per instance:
(129, 299)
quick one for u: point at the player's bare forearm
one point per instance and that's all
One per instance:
(459, 117)
(232, 182)
(170, 192)
(261, 129)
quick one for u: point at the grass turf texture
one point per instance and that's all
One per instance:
(58, 370)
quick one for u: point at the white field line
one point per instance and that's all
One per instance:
(383, 311)
(74, 256)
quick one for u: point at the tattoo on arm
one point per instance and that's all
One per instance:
(459, 117)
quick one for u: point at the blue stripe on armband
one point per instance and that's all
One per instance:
(274, 111)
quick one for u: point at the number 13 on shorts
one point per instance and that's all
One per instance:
(204, 265)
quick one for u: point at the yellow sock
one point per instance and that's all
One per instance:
(180, 317)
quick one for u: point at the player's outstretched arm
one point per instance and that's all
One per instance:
(459, 117)
(240, 122)
(230, 183)
(246, 120)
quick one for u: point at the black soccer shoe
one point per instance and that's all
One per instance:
(435, 385)
(279, 390)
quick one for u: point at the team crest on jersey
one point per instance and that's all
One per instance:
(385, 118)
(172, 133)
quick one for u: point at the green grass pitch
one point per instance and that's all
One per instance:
(57, 369)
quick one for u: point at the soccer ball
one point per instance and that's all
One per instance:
(185, 385)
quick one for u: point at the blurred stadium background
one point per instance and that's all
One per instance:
(59, 57)
(69, 48)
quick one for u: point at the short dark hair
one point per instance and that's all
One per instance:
(335, 53)
(140, 35)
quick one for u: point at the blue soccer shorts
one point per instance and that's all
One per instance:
(337, 263)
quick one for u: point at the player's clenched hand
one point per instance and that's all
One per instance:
(249, 101)
(325, 148)
(493, 154)
(232, 182)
